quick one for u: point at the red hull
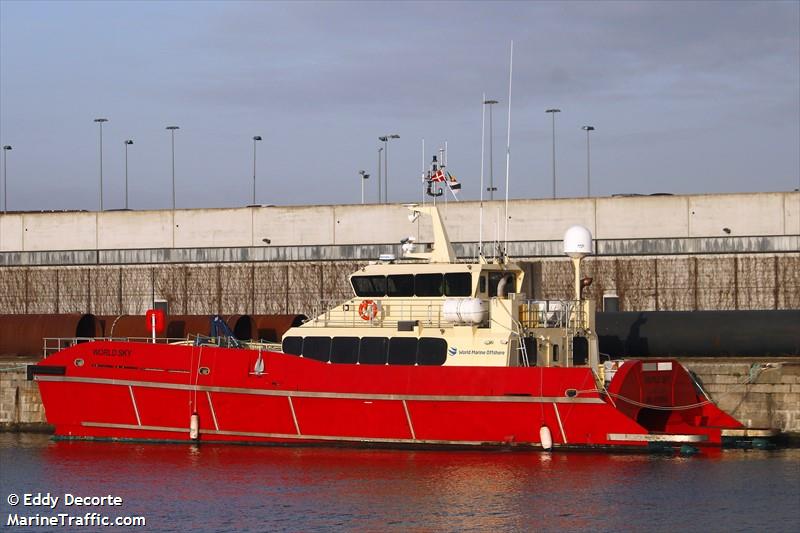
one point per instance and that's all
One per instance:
(125, 390)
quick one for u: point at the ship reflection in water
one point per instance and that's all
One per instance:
(234, 488)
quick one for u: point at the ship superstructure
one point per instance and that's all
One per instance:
(450, 313)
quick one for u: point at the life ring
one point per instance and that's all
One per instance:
(368, 309)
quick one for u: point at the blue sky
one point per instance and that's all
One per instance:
(686, 97)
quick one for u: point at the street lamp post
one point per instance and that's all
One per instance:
(491, 187)
(587, 129)
(255, 139)
(172, 131)
(385, 140)
(100, 122)
(364, 178)
(553, 113)
(380, 151)
(128, 142)
(6, 148)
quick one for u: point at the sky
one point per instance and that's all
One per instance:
(686, 98)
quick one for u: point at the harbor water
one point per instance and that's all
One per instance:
(260, 488)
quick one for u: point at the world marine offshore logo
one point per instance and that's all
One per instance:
(453, 350)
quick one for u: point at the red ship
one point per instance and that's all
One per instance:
(429, 352)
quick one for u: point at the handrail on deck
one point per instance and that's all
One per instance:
(52, 345)
(551, 314)
(391, 311)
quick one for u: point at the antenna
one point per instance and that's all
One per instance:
(423, 171)
(483, 144)
(442, 166)
(508, 143)
(497, 236)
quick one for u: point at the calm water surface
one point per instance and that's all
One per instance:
(236, 488)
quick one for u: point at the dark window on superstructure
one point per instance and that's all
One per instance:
(580, 351)
(293, 345)
(402, 351)
(344, 350)
(555, 352)
(428, 284)
(318, 348)
(400, 285)
(531, 349)
(373, 351)
(369, 285)
(431, 352)
(458, 284)
(482, 285)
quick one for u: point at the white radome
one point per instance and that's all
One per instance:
(578, 242)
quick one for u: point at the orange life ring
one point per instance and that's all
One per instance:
(368, 310)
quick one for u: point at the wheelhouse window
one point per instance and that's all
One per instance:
(402, 351)
(372, 286)
(344, 350)
(431, 352)
(426, 351)
(318, 348)
(373, 351)
(458, 284)
(428, 284)
(292, 345)
(400, 285)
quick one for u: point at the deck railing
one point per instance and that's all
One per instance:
(56, 344)
(532, 313)
(551, 314)
(389, 313)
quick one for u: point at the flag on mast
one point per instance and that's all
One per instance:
(438, 176)
(453, 183)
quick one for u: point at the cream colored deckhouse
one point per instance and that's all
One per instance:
(433, 310)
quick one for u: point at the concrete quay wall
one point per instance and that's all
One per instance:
(21, 406)
(610, 219)
(762, 393)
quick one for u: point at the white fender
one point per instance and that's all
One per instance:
(194, 426)
(546, 438)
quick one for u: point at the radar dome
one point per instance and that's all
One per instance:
(578, 242)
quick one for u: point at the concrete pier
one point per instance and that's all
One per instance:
(762, 393)
(21, 406)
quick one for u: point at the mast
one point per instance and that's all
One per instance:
(442, 251)
(423, 171)
(483, 144)
(508, 145)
